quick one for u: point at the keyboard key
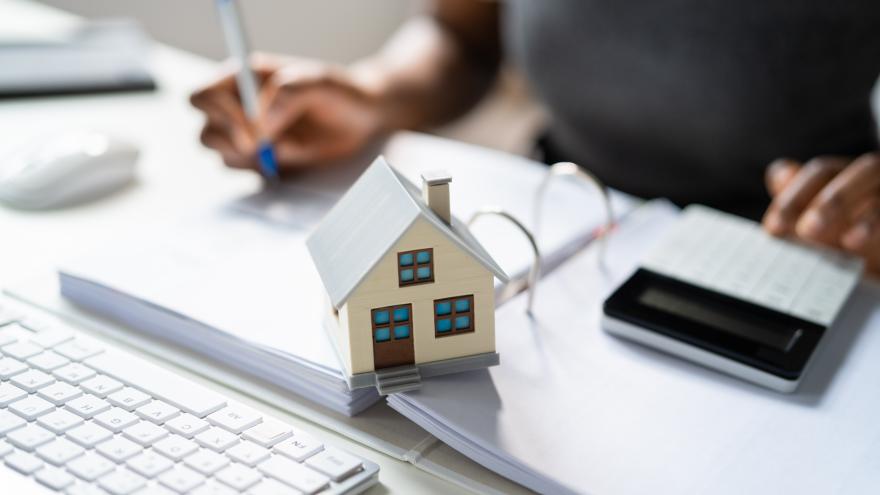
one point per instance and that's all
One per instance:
(213, 488)
(268, 433)
(54, 478)
(163, 384)
(122, 482)
(181, 479)
(21, 350)
(31, 407)
(119, 449)
(89, 435)
(206, 461)
(101, 386)
(59, 393)
(334, 463)
(59, 421)
(294, 474)
(216, 439)
(87, 406)
(269, 487)
(157, 411)
(79, 349)
(9, 393)
(128, 398)
(23, 462)
(145, 433)
(82, 488)
(50, 338)
(175, 447)
(116, 419)
(235, 418)
(187, 425)
(47, 361)
(149, 464)
(299, 447)
(90, 466)
(59, 451)
(30, 437)
(248, 453)
(35, 324)
(238, 477)
(31, 380)
(10, 367)
(74, 373)
(5, 448)
(9, 422)
(8, 315)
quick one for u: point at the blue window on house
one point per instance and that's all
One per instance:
(415, 267)
(423, 257)
(380, 317)
(401, 314)
(443, 325)
(392, 323)
(443, 308)
(401, 332)
(383, 334)
(453, 316)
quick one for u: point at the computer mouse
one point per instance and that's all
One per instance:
(67, 169)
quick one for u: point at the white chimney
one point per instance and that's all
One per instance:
(435, 192)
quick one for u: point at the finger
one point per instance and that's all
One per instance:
(836, 203)
(218, 139)
(292, 91)
(241, 130)
(203, 98)
(286, 96)
(788, 205)
(863, 236)
(263, 66)
(780, 173)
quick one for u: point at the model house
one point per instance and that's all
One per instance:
(412, 291)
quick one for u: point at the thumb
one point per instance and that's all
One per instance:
(780, 173)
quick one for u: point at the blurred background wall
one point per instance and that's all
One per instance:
(338, 30)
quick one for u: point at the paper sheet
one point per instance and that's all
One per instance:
(572, 406)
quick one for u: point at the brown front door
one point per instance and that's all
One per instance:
(392, 336)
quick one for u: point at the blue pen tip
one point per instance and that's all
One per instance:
(268, 165)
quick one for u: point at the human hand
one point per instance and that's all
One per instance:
(313, 113)
(829, 200)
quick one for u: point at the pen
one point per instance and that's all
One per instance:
(233, 31)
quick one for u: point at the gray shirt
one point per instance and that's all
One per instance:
(691, 99)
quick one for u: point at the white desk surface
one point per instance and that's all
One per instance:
(175, 174)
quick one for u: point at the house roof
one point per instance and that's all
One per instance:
(369, 219)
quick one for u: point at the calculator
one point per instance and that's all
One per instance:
(719, 291)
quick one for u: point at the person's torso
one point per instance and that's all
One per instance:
(691, 99)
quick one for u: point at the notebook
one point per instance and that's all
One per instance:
(572, 409)
(236, 284)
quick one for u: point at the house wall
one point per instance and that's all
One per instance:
(456, 273)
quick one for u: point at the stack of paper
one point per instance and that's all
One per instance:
(237, 284)
(572, 409)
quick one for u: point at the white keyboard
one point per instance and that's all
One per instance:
(734, 256)
(81, 417)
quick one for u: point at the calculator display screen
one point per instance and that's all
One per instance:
(703, 312)
(757, 336)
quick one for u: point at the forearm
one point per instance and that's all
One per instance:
(435, 68)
